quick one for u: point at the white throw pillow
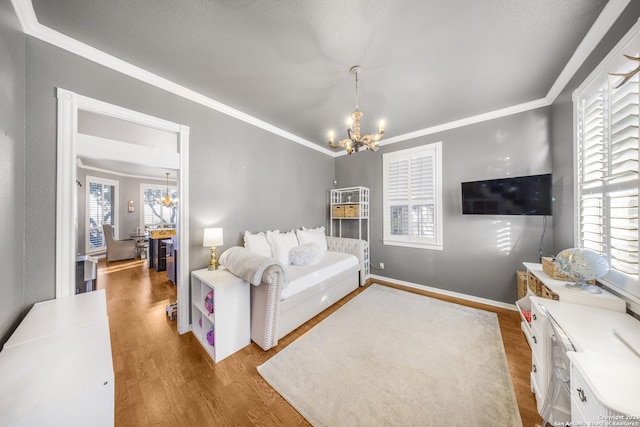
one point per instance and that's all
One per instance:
(281, 244)
(258, 243)
(314, 235)
(308, 254)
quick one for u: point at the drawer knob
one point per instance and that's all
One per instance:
(535, 317)
(535, 340)
(581, 395)
(534, 368)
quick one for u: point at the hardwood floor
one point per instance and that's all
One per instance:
(166, 379)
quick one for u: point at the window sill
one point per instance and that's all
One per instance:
(413, 245)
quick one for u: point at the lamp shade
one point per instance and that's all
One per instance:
(212, 237)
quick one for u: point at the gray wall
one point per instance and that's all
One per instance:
(12, 93)
(129, 189)
(241, 177)
(471, 262)
(562, 131)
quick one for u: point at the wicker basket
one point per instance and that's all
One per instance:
(351, 211)
(521, 281)
(551, 269)
(534, 284)
(549, 294)
(338, 211)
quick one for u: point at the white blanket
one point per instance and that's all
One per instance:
(248, 265)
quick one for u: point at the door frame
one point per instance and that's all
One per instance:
(69, 103)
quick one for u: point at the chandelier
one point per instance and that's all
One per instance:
(167, 200)
(355, 141)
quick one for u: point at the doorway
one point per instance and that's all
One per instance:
(72, 144)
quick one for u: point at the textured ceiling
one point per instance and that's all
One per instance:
(287, 63)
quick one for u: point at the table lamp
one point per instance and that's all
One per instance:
(213, 237)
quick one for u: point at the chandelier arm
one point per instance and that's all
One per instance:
(351, 135)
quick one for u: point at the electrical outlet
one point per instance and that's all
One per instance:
(382, 266)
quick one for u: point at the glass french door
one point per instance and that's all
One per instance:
(102, 197)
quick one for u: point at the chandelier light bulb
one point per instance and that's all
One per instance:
(381, 126)
(331, 136)
(349, 122)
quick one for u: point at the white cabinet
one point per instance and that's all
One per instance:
(220, 312)
(56, 369)
(604, 370)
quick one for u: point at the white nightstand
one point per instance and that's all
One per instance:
(230, 319)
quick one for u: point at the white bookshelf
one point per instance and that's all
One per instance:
(230, 320)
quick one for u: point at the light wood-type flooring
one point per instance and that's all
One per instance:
(166, 379)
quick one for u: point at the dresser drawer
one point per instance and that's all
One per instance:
(538, 381)
(538, 333)
(584, 403)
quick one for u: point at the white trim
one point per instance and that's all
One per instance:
(596, 33)
(30, 25)
(81, 165)
(413, 245)
(616, 52)
(503, 112)
(183, 273)
(465, 297)
(434, 150)
(633, 302)
(66, 200)
(90, 146)
(68, 105)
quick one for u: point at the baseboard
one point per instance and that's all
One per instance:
(465, 297)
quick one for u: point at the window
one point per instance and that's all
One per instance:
(154, 213)
(101, 208)
(606, 166)
(412, 187)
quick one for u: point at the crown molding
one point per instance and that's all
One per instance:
(503, 112)
(612, 10)
(30, 25)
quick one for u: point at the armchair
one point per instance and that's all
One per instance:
(118, 249)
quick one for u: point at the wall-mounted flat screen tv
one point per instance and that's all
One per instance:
(522, 195)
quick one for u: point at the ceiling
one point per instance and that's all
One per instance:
(424, 63)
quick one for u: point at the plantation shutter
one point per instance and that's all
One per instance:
(398, 195)
(100, 209)
(154, 213)
(411, 197)
(607, 176)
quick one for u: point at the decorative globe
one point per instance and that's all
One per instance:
(583, 265)
(562, 260)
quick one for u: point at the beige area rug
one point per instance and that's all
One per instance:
(394, 358)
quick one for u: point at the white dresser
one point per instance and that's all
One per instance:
(605, 371)
(56, 368)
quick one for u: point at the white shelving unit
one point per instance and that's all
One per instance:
(350, 204)
(230, 319)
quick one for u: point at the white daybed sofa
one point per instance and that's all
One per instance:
(285, 296)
